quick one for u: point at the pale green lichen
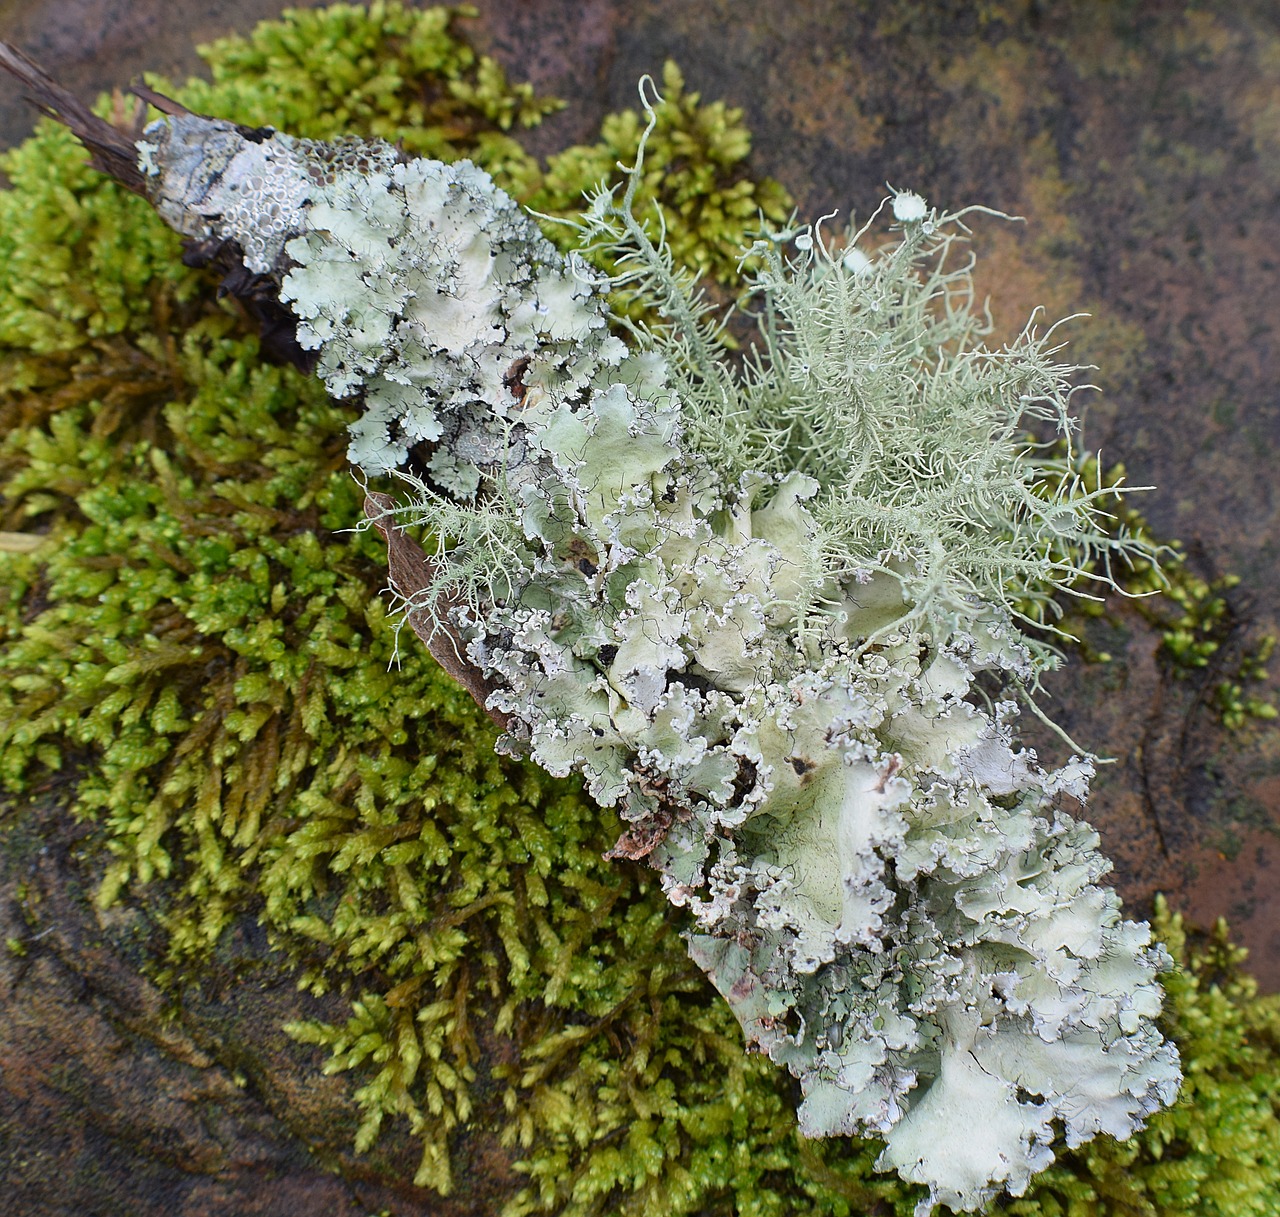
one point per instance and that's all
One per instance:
(398, 853)
(760, 639)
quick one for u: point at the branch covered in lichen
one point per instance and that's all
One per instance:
(760, 638)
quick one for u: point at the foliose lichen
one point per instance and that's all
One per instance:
(781, 700)
(473, 883)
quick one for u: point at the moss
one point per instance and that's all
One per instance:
(387, 70)
(1205, 638)
(694, 162)
(194, 638)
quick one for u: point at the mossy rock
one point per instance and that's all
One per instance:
(230, 780)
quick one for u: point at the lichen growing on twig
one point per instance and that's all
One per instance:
(762, 640)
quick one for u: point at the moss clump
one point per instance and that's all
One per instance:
(387, 71)
(693, 167)
(188, 632)
(1203, 638)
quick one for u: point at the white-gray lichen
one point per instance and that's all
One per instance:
(765, 606)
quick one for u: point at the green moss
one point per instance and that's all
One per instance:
(694, 162)
(200, 644)
(1203, 638)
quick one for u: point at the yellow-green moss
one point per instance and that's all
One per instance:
(202, 647)
(1202, 635)
(693, 165)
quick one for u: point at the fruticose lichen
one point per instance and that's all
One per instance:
(198, 603)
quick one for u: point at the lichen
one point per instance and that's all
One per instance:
(759, 637)
(1216, 1153)
(204, 605)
